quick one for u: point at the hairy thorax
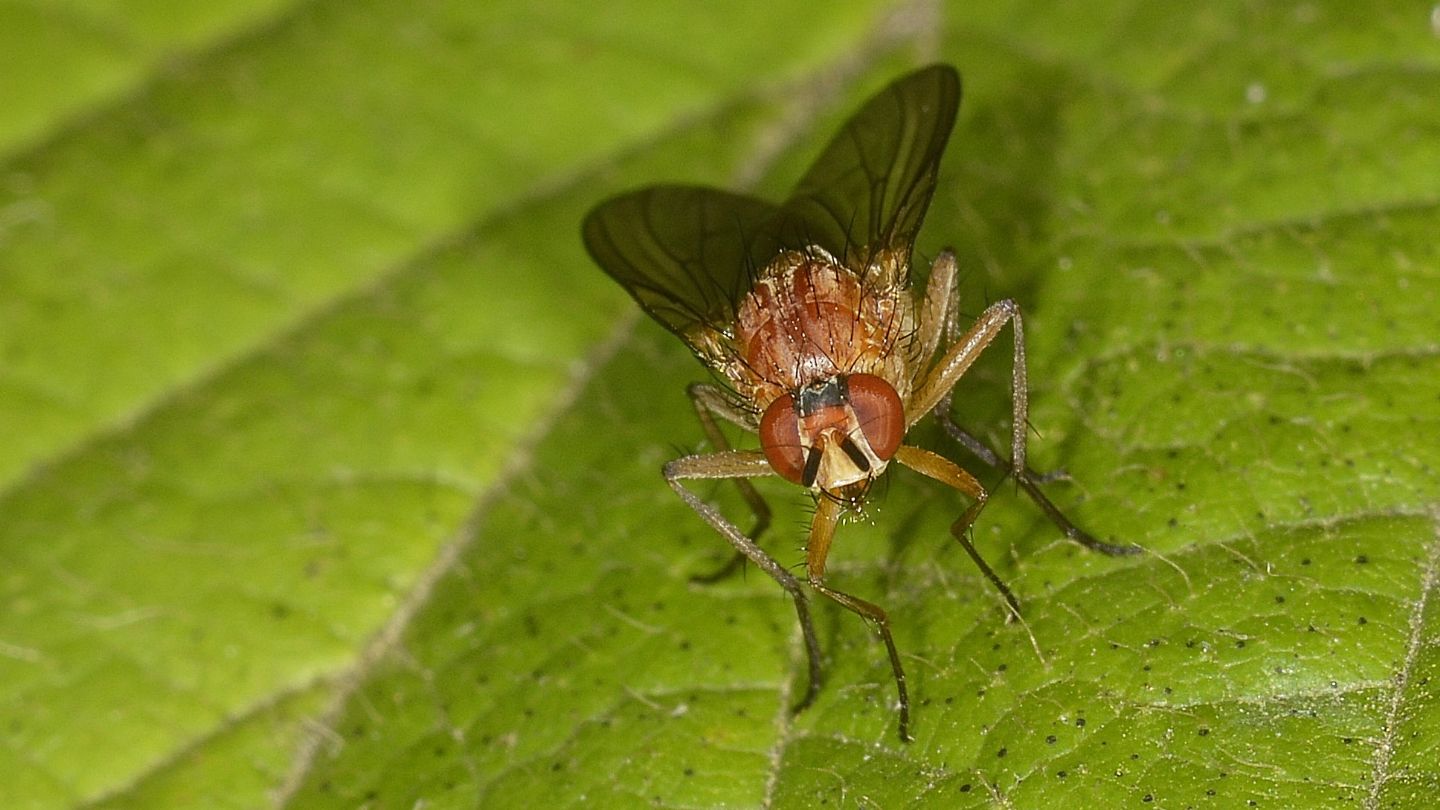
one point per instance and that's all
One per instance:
(809, 318)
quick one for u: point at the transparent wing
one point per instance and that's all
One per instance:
(868, 191)
(686, 254)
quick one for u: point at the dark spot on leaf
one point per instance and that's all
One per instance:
(1361, 560)
(1364, 620)
(1203, 732)
(1050, 739)
(1147, 798)
(1001, 753)
(965, 788)
(1279, 600)
(1079, 722)
(1240, 644)
(1061, 774)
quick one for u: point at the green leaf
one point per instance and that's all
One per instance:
(330, 472)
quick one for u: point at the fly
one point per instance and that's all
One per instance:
(805, 313)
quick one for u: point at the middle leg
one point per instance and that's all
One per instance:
(710, 401)
(1029, 481)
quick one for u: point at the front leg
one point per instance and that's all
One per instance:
(822, 531)
(953, 475)
(740, 465)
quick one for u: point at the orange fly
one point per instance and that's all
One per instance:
(805, 313)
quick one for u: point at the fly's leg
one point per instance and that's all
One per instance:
(937, 311)
(1030, 482)
(980, 449)
(935, 389)
(710, 401)
(822, 531)
(740, 465)
(953, 475)
(936, 385)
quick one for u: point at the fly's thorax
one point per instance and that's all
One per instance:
(809, 318)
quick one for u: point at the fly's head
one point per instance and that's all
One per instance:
(834, 436)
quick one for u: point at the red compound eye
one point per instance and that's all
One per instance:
(881, 415)
(780, 439)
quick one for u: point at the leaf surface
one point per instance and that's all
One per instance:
(330, 472)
